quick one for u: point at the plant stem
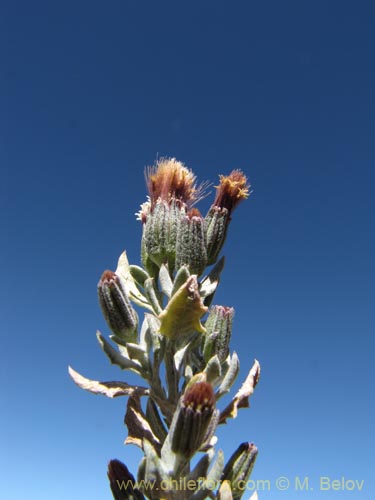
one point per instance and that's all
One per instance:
(171, 373)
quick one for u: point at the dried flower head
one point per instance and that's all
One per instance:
(170, 180)
(232, 189)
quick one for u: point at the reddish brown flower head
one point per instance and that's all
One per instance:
(195, 419)
(194, 212)
(232, 189)
(170, 180)
(199, 397)
(108, 276)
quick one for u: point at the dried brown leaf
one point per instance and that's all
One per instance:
(241, 399)
(137, 424)
(109, 389)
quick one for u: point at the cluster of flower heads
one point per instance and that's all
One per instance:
(174, 231)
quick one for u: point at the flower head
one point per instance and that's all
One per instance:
(192, 420)
(170, 180)
(233, 188)
(199, 397)
(172, 193)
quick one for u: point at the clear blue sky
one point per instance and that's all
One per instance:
(91, 92)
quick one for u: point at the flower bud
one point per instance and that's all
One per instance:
(191, 243)
(148, 263)
(217, 221)
(192, 419)
(239, 467)
(219, 332)
(122, 482)
(116, 307)
(160, 232)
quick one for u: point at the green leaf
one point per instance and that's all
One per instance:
(144, 337)
(184, 311)
(166, 284)
(137, 353)
(213, 370)
(179, 356)
(217, 469)
(230, 376)
(154, 471)
(213, 477)
(200, 470)
(123, 270)
(138, 274)
(225, 492)
(152, 296)
(153, 330)
(181, 277)
(116, 358)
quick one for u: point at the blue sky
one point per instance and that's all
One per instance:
(91, 92)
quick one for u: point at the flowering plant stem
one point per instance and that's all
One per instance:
(171, 372)
(184, 333)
